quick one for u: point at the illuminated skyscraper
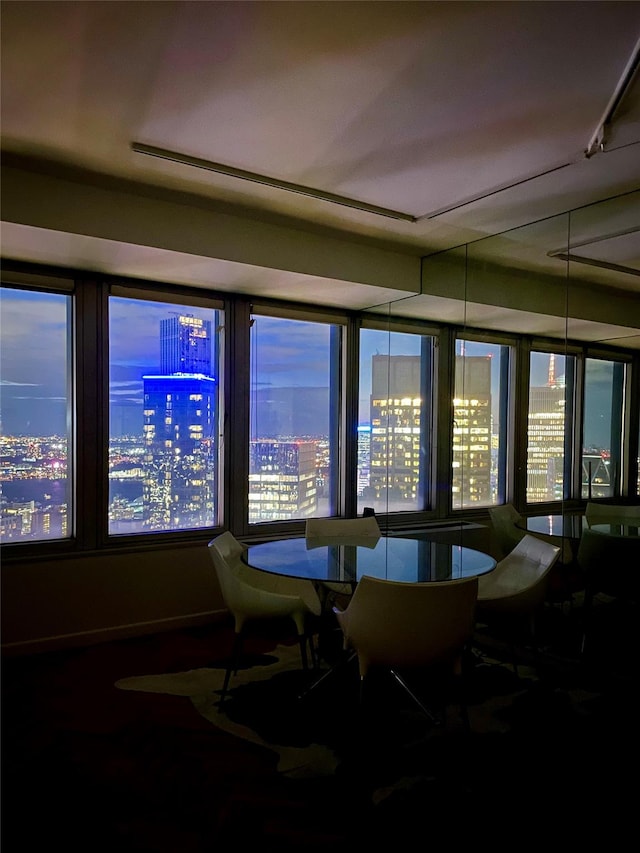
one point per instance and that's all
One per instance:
(185, 345)
(396, 433)
(282, 480)
(471, 474)
(546, 438)
(396, 408)
(179, 484)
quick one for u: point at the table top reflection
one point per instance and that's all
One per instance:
(564, 526)
(617, 528)
(389, 557)
(572, 526)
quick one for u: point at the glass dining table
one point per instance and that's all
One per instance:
(389, 557)
(345, 561)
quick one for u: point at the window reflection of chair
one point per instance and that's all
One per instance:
(611, 566)
(252, 596)
(342, 528)
(419, 628)
(504, 520)
(323, 531)
(564, 580)
(514, 593)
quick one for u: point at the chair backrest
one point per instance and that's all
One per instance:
(611, 564)
(519, 581)
(503, 520)
(595, 512)
(324, 528)
(396, 624)
(247, 590)
(225, 551)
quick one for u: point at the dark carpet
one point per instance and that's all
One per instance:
(550, 754)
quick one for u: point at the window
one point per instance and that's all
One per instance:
(550, 425)
(294, 418)
(113, 416)
(394, 420)
(35, 415)
(164, 415)
(602, 428)
(480, 419)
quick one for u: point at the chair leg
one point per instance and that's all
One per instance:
(325, 675)
(302, 639)
(586, 617)
(423, 707)
(232, 666)
(313, 651)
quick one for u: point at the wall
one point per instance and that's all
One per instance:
(84, 599)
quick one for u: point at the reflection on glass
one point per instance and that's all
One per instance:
(602, 446)
(163, 416)
(394, 440)
(35, 368)
(293, 418)
(547, 425)
(479, 424)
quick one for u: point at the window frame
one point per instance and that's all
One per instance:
(342, 400)
(90, 394)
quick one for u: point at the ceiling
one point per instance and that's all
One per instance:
(469, 119)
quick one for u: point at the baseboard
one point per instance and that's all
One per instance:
(104, 635)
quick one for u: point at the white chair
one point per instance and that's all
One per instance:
(516, 590)
(410, 627)
(252, 596)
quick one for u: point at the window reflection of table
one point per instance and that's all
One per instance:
(612, 528)
(392, 558)
(561, 526)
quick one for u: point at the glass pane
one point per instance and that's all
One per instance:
(479, 424)
(35, 415)
(294, 419)
(547, 422)
(164, 365)
(394, 409)
(602, 430)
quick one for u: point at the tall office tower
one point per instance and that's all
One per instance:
(179, 484)
(282, 480)
(364, 458)
(546, 436)
(185, 345)
(396, 435)
(395, 444)
(471, 474)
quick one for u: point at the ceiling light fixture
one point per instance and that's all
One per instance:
(599, 137)
(243, 175)
(594, 262)
(564, 255)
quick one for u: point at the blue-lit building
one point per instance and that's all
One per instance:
(179, 486)
(179, 463)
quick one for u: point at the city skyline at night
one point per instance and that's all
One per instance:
(33, 389)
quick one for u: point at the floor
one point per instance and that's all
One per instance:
(86, 767)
